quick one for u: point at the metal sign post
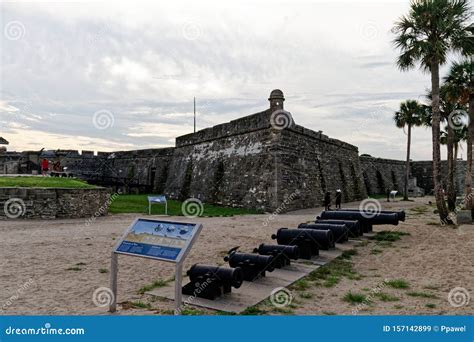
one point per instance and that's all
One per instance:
(155, 239)
(178, 293)
(113, 281)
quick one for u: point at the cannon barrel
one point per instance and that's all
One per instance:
(340, 231)
(400, 213)
(281, 253)
(253, 265)
(371, 218)
(232, 276)
(354, 226)
(291, 252)
(211, 282)
(298, 237)
(323, 239)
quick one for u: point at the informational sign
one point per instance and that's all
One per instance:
(162, 240)
(159, 240)
(157, 199)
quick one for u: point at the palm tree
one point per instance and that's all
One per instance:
(452, 139)
(460, 82)
(431, 30)
(410, 115)
(448, 110)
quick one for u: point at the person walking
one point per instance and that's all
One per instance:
(338, 198)
(44, 166)
(327, 201)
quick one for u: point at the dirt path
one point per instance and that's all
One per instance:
(53, 267)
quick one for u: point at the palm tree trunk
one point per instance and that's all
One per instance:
(451, 192)
(438, 189)
(468, 201)
(455, 166)
(407, 166)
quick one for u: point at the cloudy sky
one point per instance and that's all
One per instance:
(122, 75)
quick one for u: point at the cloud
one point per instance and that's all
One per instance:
(145, 64)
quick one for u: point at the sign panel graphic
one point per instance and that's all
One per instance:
(162, 240)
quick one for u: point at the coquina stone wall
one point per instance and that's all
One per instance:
(423, 171)
(310, 163)
(380, 175)
(229, 164)
(50, 203)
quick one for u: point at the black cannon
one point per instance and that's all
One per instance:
(401, 213)
(281, 254)
(253, 265)
(354, 226)
(211, 282)
(372, 218)
(309, 241)
(340, 231)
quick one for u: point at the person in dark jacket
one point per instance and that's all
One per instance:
(338, 198)
(327, 201)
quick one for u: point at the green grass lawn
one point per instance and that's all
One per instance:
(44, 182)
(139, 204)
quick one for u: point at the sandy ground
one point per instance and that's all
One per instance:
(53, 267)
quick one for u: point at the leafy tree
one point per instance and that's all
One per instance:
(426, 35)
(460, 83)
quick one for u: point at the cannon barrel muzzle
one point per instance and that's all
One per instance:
(210, 282)
(372, 218)
(282, 254)
(354, 226)
(340, 231)
(291, 252)
(232, 276)
(253, 265)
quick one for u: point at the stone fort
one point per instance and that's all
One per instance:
(258, 161)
